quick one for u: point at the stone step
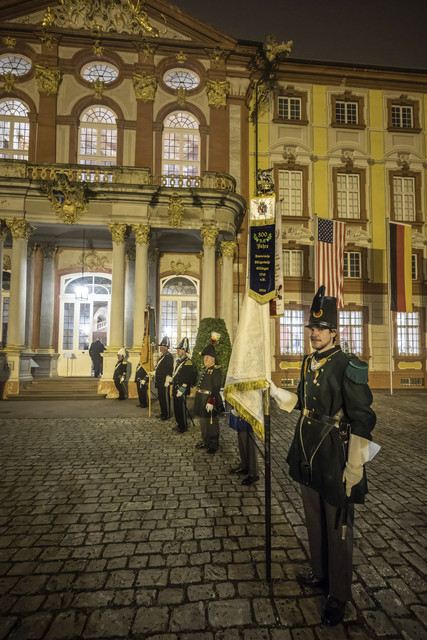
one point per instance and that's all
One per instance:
(82, 388)
(46, 398)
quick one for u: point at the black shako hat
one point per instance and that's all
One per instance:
(209, 350)
(323, 312)
(184, 345)
(165, 342)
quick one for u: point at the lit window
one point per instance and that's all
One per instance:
(98, 137)
(402, 116)
(179, 309)
(351, 331)
(292, 332)
(18, 65)
(99, 71)
(14, 130)
(408, 334)
(292, 262)
(289, 108)
(181, 145)
(414, 267)
(181, 78)
(68, 326)
(291, 193)
(348, 195)
(352, 268)
(346, 112)
(404, 198)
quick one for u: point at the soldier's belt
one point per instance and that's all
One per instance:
(321, 418)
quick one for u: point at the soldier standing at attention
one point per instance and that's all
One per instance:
(163, 378)
(119, 376)
(328, 452)
(208, 400)
(141, 378)
(182, 379)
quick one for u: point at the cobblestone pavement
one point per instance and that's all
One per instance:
(119, 528)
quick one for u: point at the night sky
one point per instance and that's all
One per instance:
(376, 32)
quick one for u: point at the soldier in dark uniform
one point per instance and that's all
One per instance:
(248, 465)
(141, 379)
(163, 378)
(95, 350)
(182, 379)
(119, 376)
(208, 401)
(328, 452)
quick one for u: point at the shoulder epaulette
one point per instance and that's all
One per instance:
(187, 362)
(357, 370)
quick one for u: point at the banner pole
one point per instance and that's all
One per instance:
(316, 235)
(390, 332)
(267, 472)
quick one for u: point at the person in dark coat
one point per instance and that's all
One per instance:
(95, 350)
(163, 378)
(120, 372)
(208, 401)
(182, 379)
(328, 452)
(141, 379)
(248, 464)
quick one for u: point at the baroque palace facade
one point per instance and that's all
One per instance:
(128, 153)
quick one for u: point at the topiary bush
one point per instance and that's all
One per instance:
(222, 346)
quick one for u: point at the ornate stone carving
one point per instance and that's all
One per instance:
(357, 235)
(4, 230)
(20, 228)
(418, 240)
(153, 255)
(68, 199)
(216, 56)
(9, 81)
(131, 254)
(32, 248)
(91, 261)
(228, 249)
(7, 263)
(410, 365)
(13, 169)
(48, 79)
(97, 48)
(296, 232)
(98, 88)
(179, 268)
(181, 96)
(404, 160)
(238, 86)
(145, 49)
(48, 249)
(217, 92)
(142, 233)
(175, 211)
(274, 50)
(48, 39)
(181, 57)
(9, 42)
(145, 86)
(348, 159)
(119, 232)
(209, 234)
(290, 154)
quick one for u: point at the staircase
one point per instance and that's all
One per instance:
(59, 389)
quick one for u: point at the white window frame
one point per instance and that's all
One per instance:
(291, 319)
(352, 264)
(15, 123)
(293, 263)
(181, 165)
(348, 195)
(291, 192)
(351, 331)
(408, 333)
(404, 198)
(399, 113)
(179, 299)
(289, 107)
(100, 128)
(348, 112)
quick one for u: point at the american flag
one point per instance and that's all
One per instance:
(330, 258)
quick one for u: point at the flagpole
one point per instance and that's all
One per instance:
(267, 473)
(316, 235)
(390, 332)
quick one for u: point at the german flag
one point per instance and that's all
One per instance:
(400, 267)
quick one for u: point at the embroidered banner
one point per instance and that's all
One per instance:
(262, 285)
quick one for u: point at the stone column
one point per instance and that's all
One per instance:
(226, 310)
(48, 252)
(3, 235)
(119, 233)
(153, 273)
(209, 234)
(129, 295)
(31, 251)
(142, 234)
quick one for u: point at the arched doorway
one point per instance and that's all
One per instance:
(179, 308)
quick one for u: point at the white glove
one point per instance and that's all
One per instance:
(178, 394)
(360, 450)
(209, 407)
(285, 399)
(168, 380)
(141, 382)
(235, 413)
(351, 476)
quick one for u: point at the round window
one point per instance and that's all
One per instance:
(181, 78)
(99, 71)
(18, 65)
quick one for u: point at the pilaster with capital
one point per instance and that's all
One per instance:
(226, 310)
(142, 235)
(4, 230)
(29, 321)
(209, 234)
(48, 251)
(119, 233)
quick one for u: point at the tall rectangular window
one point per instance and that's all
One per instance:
(169, 326)
(346, 112)
(414, 267)
(291, 193)
(351, 331)
(402, 116)
(408, 334)
(292, 332)
(352, 266)
(289, 108)
(348, 195)
(404, 198)
(84, 326)
(68, 327)
(292, 262)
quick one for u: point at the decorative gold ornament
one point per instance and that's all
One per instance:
(9, 42)
(7, 263)
(181, 95)
(98, 88)
(176, 211)
(48, 79)
(49, 250)
(68, 199)
(48, 39)
(119, 232)
(145, 49)
(273, 50)
(20, 228)
(216, 56)
(91, 261)
(32, 248)
(290, 365)
(142, 233)
(228, 249)
(209, 234)
(217, 92)
(410, 365)
(179, 268)
(145, 86)
(48, 18)
(181, 57)
(9, 81)
(97, 48)
(4, 230)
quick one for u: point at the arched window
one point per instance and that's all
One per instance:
(97, 136)
(181, 145)
(14, 129)
(179, 308)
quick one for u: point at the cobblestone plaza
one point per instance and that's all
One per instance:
(114, 526)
